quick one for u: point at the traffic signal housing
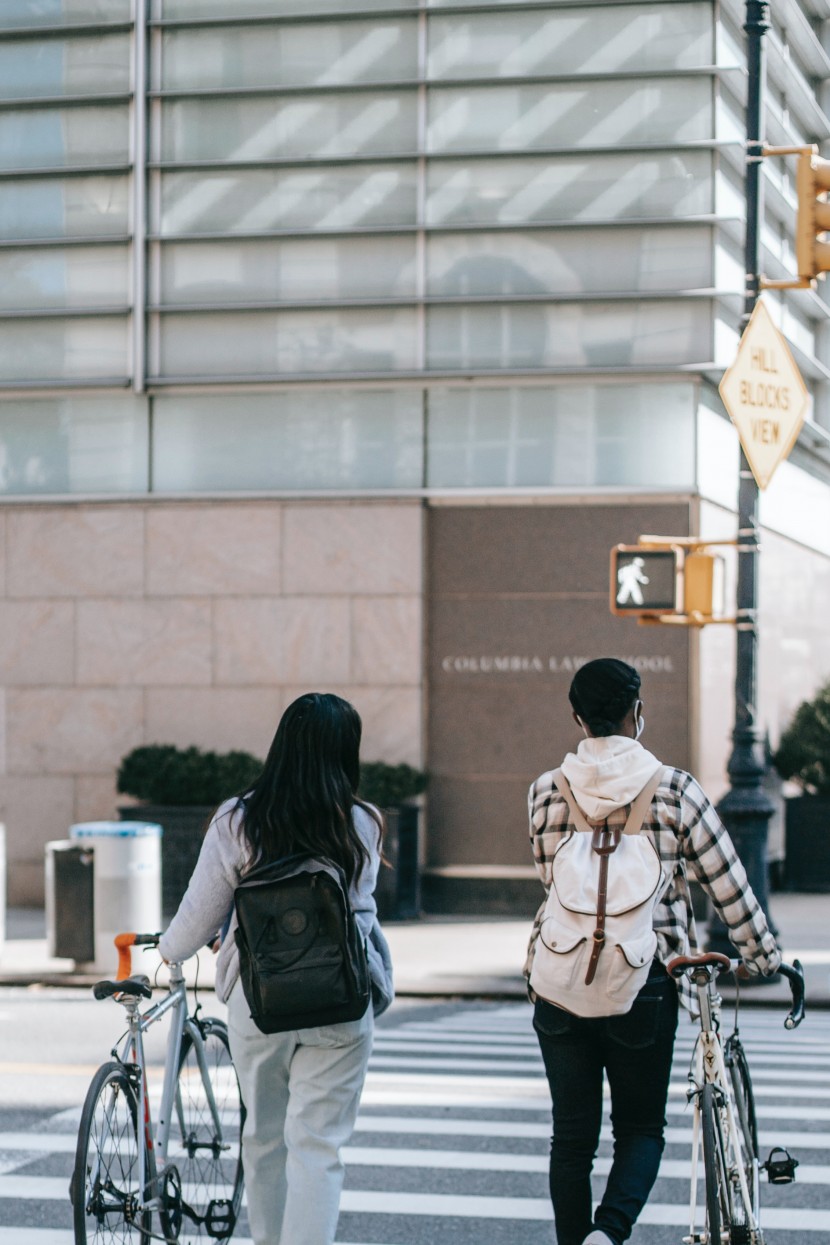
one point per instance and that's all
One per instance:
(644, 582)
(812, 184)
(665, 580)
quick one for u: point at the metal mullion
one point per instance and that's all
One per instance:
(139, 198)
(289, 19)
(412, 84)
(154, 189)
(66, 313)
(466, 155)
(36, 244)
(357, 14)
(27, 387)
(439, 300)
(17, 33)
(461, 375)
(34, 102)
(277, 92)
(305, 235)
(421, 192)
(76, 170)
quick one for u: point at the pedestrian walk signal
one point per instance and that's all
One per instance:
(644, 581)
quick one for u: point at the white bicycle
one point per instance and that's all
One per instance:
(183, 1180)
(724, 1128)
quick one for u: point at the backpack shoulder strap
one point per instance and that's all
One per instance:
(564, 788)
(642, 803)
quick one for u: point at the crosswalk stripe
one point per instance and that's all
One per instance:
(486, 1062)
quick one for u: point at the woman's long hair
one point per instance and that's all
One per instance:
(303, 799)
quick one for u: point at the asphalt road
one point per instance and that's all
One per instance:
(452, 1138)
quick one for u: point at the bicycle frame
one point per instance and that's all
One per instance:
(153, 1153)
(709, 1068)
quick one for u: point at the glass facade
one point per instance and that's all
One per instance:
(390, 200)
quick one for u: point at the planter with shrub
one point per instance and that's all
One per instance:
(803, 757)
(179, 788)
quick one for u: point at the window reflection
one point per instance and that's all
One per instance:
(563, 435)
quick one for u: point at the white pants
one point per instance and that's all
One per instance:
(301, 1091)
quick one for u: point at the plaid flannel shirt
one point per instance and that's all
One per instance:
(690, 839)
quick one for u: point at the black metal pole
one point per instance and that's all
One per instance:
(746, 809)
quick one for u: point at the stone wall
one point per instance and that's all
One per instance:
(191, 623)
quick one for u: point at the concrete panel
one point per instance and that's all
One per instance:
(391, 716)
(37, 811)
(213, 549)
(96, 798)
(356, 549)
(221, 718)
(37, 642)
(144, 642)
(3, 526)
(75, 551)
(60, 731)
(387, 640)
(305, 641)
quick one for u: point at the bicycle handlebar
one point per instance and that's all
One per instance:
(718, 963)
(795, 976)
(125, 943)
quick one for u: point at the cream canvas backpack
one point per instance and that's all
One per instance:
(597, 941)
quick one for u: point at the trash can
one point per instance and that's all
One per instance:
(398, 892)
(70, 930)
(126, 880)
(2, 887)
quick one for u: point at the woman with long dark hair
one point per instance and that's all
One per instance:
(301, 1089)
(602, 780)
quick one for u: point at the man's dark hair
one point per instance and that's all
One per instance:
(602, 692)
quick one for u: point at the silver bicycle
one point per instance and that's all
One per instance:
(180, 1179)
(724, 1127)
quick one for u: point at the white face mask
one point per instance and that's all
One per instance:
(640, 722)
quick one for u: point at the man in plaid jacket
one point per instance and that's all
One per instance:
(607, 772)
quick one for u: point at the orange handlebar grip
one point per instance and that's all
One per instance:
(124, 943)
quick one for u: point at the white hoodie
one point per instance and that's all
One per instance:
(607, 773)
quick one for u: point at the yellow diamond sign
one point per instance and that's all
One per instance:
(765, 395)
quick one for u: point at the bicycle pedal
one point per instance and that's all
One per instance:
(780, 1170)
(220, 1218)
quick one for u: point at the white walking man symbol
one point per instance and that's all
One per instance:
(629, 579)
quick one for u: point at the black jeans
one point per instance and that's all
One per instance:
(635, 1050)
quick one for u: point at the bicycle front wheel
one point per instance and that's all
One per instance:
(104, 1190)
(209, 1158)
(744, 1106)
(718, 1193)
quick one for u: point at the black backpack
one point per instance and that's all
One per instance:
(302, 956)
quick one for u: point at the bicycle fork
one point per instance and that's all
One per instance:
(708, 1067)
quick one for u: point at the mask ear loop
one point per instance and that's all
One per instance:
(639, 723)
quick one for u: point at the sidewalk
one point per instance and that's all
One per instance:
(448, 956)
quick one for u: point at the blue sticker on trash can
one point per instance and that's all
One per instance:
(115, 830)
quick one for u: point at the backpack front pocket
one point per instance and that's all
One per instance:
(566, 952)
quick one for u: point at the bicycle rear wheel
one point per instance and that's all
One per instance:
(104, 1189)
(209, 1162)
(718, 1192)
(744, 1107)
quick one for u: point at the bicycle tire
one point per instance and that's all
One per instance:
(206, 1173)
(718, 1195)
(744, 1107)
(104, 1188)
